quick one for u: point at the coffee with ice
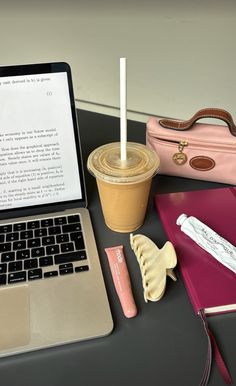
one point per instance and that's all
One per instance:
(123, 185)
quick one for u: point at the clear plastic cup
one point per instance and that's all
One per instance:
(123, 186)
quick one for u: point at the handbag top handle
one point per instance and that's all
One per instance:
(204, 113)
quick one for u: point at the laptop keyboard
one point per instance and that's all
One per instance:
(41, 249)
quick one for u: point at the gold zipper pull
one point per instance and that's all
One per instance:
(180, 158)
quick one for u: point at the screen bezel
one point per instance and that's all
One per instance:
(43, 68)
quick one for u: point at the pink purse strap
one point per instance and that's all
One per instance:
(204, 113)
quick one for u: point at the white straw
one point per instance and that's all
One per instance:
(123, 119)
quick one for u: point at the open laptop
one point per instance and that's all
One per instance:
(52, 290)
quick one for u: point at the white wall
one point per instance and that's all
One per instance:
(181, 54)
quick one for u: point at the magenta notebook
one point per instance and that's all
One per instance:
(210, 285)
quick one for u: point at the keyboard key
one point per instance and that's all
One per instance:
(33, 224)
(60, 220)
(23, 254)
(3, 279)
(15, 266)
(45, 261)
(3, 268)
(17, 277)
(40, 232)
(31, 263)
(67, 247)
(6, 228)
(21, 244)
(77, 237)
(73, 218)
(66, 271)
(2, 238)
(54, 230)
(48, 222)
(71, 228)
(48, 240)
(8, 256)
(70, 257)
(26, 235)
(34, 274)
(82, 268)
(5, 247)
(32, 243)
(50, 274)
(20, 226)
(66, 266)
(63, 238)
(52, 249)
(37, 252)
(12, 236)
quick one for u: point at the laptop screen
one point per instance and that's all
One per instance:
(39, 145)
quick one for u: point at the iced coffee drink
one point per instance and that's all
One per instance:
(123, 186)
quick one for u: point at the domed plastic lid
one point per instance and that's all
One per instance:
(105, 163)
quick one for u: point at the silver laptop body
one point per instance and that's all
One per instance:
(52, 290)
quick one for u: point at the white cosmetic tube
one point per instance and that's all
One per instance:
(209, 240)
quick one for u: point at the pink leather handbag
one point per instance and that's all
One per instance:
(195, 150)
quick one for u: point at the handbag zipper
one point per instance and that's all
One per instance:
(180, 157)
(201, 144)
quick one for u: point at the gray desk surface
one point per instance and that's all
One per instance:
(165, 344)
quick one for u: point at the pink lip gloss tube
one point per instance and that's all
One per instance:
(121, 280)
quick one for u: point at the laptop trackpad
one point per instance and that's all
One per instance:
(15, 317)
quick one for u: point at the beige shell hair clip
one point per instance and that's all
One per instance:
(155, 264)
